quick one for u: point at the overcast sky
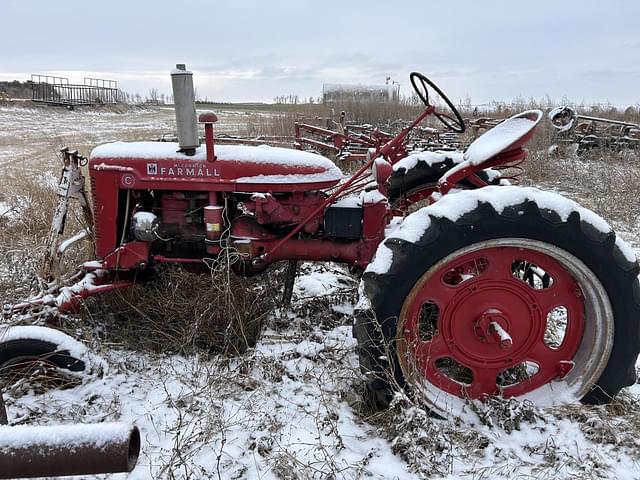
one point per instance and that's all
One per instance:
(255, 50)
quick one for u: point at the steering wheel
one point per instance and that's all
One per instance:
(420, 84)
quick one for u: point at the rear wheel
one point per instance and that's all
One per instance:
(516, 302)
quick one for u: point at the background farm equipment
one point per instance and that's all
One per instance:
(348, 142)
(352, 141)
(478, 126)
(589, 132)
(461, 300)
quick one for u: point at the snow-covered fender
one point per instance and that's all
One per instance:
(416, 176)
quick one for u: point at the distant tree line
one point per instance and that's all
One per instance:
(16, 89)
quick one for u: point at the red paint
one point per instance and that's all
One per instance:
(479, 288)
(196, 202)
(209, 118)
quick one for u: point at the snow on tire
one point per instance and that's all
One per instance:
(417, 175)
(501, 291)
(29, 350)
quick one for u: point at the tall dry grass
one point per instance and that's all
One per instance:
(28, 203)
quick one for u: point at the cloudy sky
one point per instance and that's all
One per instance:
(255, 50)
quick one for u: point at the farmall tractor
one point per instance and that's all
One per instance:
(489, 290)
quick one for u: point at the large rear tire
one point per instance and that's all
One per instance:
(506, 298)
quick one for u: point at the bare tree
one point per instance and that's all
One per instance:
(153, 95)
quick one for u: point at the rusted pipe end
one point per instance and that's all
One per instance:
(208, 117)
(134, 448)
(3, 411)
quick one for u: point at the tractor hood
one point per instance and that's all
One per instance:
(236, 167)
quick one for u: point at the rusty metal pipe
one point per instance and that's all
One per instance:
(37, 451)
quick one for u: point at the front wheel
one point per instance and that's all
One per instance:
(504, 291)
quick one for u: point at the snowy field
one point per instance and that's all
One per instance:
(291, 408)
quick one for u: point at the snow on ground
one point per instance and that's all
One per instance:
(7, 211)
(31, 137)
(279, 410)
(291, 407)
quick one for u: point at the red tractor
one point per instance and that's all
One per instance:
(490, 290)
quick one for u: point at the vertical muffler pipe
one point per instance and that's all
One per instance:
(46, 451)
(184, 100)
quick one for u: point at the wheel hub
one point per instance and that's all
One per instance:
(492, 327)
(480, 333)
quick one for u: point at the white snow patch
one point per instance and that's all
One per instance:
(430, 158)
(372, 196)
(309, 349)
(626, 250)
(48, 180)
(92, 264)
(93, 363)
(363, 303)
(492, 174)
(317, 283)
(382, 260)
(45, 334)
(64, 436)
(8, 212)
(71, 240)
(343, 308)
(348, 202)
(241, 153)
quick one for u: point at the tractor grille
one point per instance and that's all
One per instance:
(94, 204)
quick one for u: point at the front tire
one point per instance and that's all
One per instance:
(516, 295)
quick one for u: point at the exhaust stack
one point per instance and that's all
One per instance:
(185, 106)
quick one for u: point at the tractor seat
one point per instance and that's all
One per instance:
(508, 135)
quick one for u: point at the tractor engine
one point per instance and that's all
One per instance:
(183, 202)
(137, 226)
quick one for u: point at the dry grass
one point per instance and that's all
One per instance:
(29, 202)
(604, 182)
(180, 312)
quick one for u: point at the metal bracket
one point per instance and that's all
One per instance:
(71, 186)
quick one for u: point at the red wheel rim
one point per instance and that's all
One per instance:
(483, 323)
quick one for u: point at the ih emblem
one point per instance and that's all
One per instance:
(152, 169)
